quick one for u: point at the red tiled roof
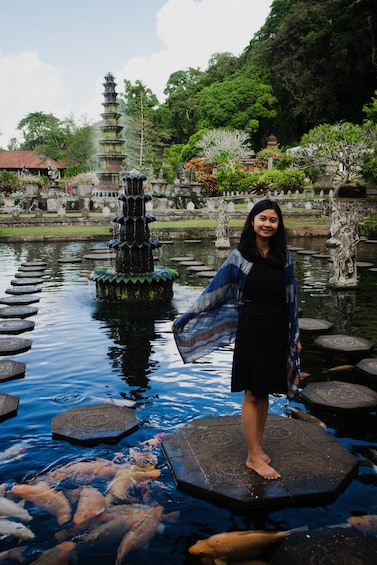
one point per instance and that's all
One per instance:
(29, 159)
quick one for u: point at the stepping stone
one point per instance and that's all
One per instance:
(10, 370)
(322, 256)
(100, 256)
(373, 270)
(70, 260)
(16, 326)
(191, 263)
(333, 545)
(14, 345)
(94, 424)
(192, 241)
(368, 366)
(345, 343)
(23, 289)
(29, 275)
(18, 311)
(362, 264)
(34, 264)
(8, 405)
(314, 325)
(199, 268)
(207, 274)
(207, 458)
(179, 259)
(21, 299)
(340, 396)
(307, 252)
(167, 242)
(25, 281)
(37, 269)
(293, 248)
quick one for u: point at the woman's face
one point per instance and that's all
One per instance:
(266, 223)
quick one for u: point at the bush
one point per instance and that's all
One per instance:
(288, 179)
(9, 181)
(369, 171)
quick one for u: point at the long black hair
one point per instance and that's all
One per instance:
(247, 244)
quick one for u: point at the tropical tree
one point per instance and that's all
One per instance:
(224, 148)
(344, 146)
(41, 129)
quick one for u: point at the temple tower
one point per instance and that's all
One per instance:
(111, 156)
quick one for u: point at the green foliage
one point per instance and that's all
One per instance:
(237, 180)
(369, 171)
(73, 170)
(9, 181)
(370, 110)
(288, 179)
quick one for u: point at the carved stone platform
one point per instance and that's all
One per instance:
(368, 366)
(37, 263)
(207, 458)
(20, 299)
(35, 269)
(10, 369)
(14, 345)
(26, 281)
(94, 424)
(30, 274)
(327, 546)
(69, 260)
(314, 325)
(8, 406)
(340, 396)
(191, 263)
(18, 311)
(344, 343)
(206, 274)
(16, 326)
(185, 258)
(199, 268)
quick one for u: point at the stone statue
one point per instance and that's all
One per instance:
(343, 244)
(222, 230)
(53, 175)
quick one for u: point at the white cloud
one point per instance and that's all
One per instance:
(30, 86)
(192, 32)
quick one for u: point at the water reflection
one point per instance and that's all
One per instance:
(83, 350)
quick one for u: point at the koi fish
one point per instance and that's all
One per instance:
(45, 497)
(59, 555)
(238, 546)
(84, 471)
(13, 453)
(91, 503)
(305, 417)
(123, 402)
(13, 509)
(140, 534)
(339, 369)
(366, 523)
(10, 528)
(13, 553)
(124, 480)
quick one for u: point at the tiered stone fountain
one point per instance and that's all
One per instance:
(134, 278)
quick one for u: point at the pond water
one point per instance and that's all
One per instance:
(84, 352)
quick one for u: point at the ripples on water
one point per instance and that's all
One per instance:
(83, 353)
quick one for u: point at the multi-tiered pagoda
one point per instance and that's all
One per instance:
(111, 157)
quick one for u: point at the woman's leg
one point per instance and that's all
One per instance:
(253, 417)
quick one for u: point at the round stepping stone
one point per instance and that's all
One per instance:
(22, 299)
(34, 264)
(340, 396)
(345, 343)
(23, 289)
(10, 369)
(333, 545)
(70, 260)
(96, 423)
(191, 263)
(29, 275)
(314, 325)
(192, 241)
(363, 264)
(8, 405)
(199, 268)
(16, 326)
(373, 270)
(368, 366)
(99, 256)
(18, 311)
(206, 274)
(179, 259)
(25, 281)
(32, 269)
(167, 242)
(322, 256)
(306, 252)
(14, 345)
(374, 241)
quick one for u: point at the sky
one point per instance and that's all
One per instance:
(54, 54)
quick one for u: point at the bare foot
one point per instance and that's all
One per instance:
(265, 457)
(262, 468)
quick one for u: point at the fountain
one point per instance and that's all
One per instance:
(134, 278)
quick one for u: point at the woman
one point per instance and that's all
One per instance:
(253, 300)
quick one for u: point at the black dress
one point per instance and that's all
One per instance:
(260, 351)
